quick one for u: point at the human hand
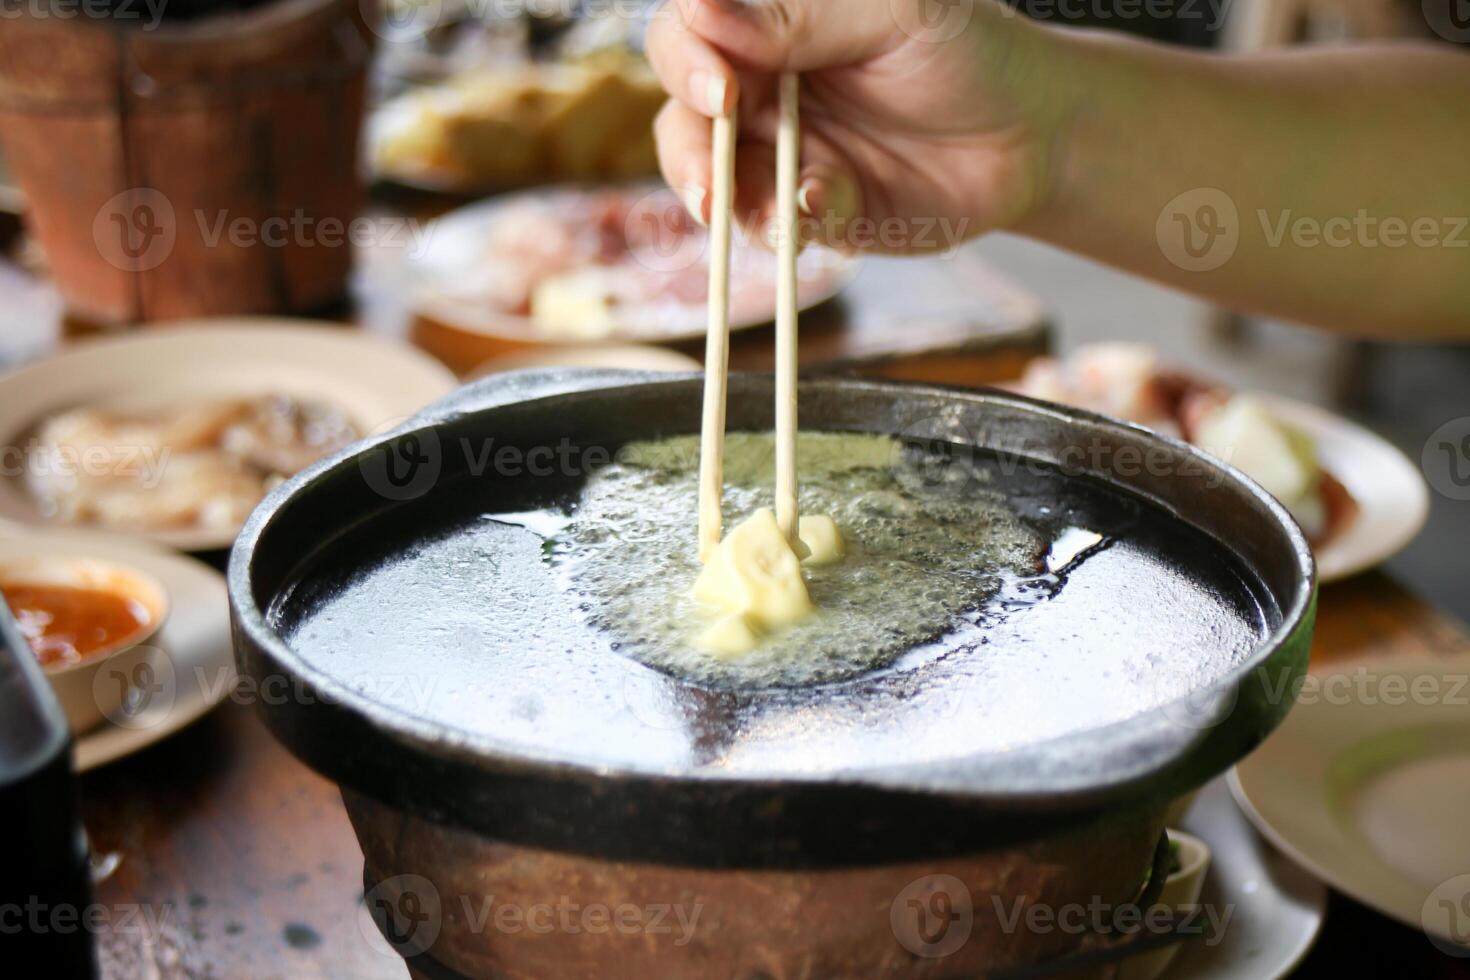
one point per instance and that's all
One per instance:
(915, 135)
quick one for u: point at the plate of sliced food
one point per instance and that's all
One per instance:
(175, 434)
(501, 96)
(1358, 498)
(624, 264)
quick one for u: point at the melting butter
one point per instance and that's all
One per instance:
(753, 582)
(821, 538)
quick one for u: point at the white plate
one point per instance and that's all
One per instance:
(1276, 908)
(453, 252)
(374, 382)
(1392, 496)
(625, 357)
(196, 669)
(1367, 784)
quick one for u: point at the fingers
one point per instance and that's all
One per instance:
(827, 195)
(684, 147)
(690, 68)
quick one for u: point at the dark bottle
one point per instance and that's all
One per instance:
(45, 884)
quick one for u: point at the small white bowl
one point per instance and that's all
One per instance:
(1181, 893)
(86, 701)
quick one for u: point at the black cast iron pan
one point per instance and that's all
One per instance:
(398, 655)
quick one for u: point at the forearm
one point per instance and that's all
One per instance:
(1340, 177)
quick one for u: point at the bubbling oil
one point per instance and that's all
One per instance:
(929, 547)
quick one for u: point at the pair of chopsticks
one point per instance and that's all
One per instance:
(717, 342)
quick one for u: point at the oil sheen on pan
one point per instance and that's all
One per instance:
(990, 603)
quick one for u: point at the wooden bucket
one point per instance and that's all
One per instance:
(192, 167)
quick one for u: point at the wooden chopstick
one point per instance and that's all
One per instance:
(788, 165)
(717, 339)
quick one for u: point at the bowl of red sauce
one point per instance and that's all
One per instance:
(78, 615)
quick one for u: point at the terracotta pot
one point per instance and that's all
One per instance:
(189, 168)
(459, 903)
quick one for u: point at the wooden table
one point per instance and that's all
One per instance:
(245, 861)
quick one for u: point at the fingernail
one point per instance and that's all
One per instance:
(804, 196)
(694, 200)
(712, 87)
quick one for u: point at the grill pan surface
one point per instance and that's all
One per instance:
(436, 695)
